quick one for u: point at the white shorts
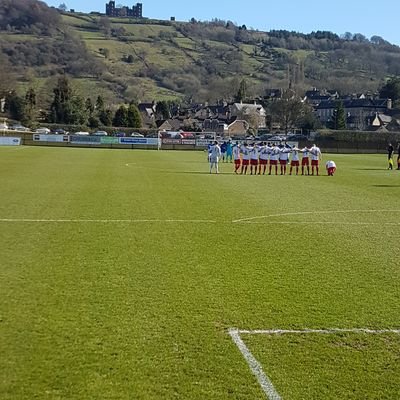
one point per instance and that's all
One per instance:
(214, 159)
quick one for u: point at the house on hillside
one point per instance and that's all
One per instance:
(358, 111)
(148, 113)
(169, 125)
(237, 128)
(249, 111)
(315, 96)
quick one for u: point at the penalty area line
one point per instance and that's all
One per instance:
(311, 213)
(255, 366)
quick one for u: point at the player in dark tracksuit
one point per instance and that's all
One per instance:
(398, 155)
(390, 150)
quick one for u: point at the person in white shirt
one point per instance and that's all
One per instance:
(305, 161)
(215, 155)
(273, 158)
(295, 161)
(316, 157)
(245, 151)
(263, 162)
(236, 156)
(331, 167)
(253, 159)
(283, 158)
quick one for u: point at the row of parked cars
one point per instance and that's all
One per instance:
(47, 131)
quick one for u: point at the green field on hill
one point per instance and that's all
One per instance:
(122, 273)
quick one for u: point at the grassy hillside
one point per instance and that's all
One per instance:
(150, 60)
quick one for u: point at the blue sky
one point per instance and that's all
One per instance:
(357, 16)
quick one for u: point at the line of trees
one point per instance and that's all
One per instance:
(68, 107)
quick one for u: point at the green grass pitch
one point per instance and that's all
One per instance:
(121, 273)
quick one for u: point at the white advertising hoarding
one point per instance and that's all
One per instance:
(10, 141)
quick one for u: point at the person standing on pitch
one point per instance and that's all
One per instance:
(390, 150)
(254, 159)
(236, 156)
(245, 151)
(316, 157)
(223, 151)
(283, 158)
(263, 162)
(398, 156)
(295, 162)
(273, 158)
(214, 157)
(229, 151)
(305, 160)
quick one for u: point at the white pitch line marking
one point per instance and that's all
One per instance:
(311, 213)
(109, 221)
(314, 223)
(256, 367)
(306, 330)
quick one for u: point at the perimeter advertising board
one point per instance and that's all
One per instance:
(85, 139)
(139, 141)
(10, 141)
(50, 138)
(109, 140)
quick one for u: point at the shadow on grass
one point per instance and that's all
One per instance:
(386, 186)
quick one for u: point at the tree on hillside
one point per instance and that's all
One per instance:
(67, 107)
(162, 110)
(29, 15)
(121, 116)
(338, 120)
(15, 106)
(242, 92)
(134, 118)
(99, 103)
(63, 7)
(287, 111)
(391, 89)
(30, 109)
(106, 117)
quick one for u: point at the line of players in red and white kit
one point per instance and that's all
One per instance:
(258, 157)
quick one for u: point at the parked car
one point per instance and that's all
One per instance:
(136, 134)
(80, 133)
(100, 133)
(19, 127)
(3, 126)
(44, 131)
(278, 138)
(119, 134)
(60, 132)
